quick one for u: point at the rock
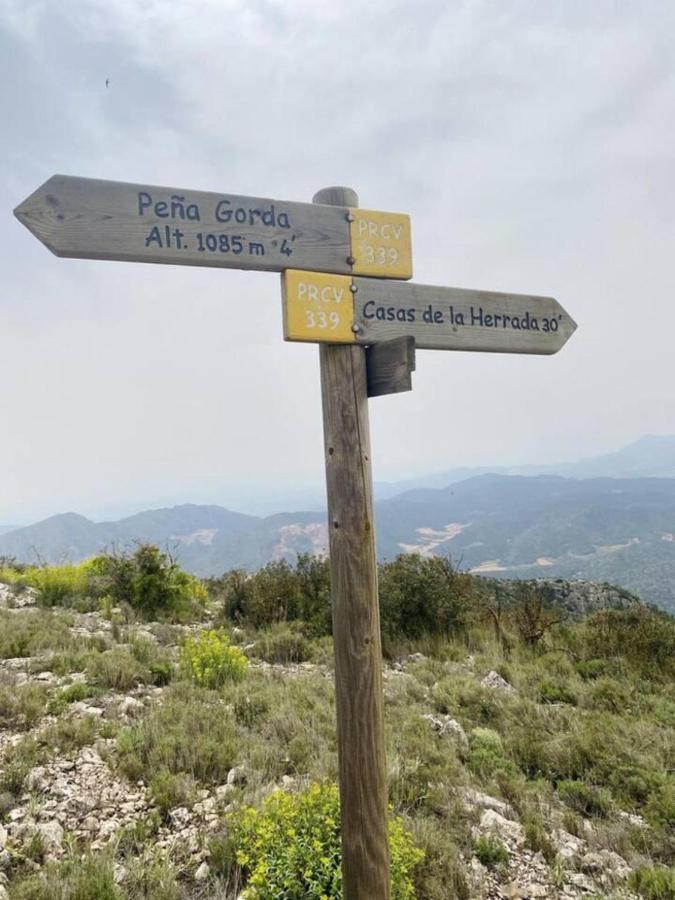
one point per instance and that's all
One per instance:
(607, 863)
(52, 835)
(180, 817)
(3, 893)
(3, 837)
(416, 658)
(83, 709)
(518, 891)
(224, 791)
(202, 872)
(494, 681)
(570, 848)
(238, 775)
(472, 799)
(494, 823)
(446, 725)
(129, 708)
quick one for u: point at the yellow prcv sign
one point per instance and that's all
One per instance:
(318, 307)
(381, 243)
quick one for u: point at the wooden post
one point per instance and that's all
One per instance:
(356, 613)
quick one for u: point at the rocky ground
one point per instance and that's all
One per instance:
(76, 795)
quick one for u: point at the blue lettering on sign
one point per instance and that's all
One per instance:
(245, 215)
(174, 208)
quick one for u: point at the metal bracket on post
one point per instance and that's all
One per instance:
(389, 366)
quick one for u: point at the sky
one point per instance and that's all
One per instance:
(532, 144)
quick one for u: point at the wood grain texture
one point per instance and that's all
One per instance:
(92, 219)
(356, 616)
(389, 366)
(525, 324)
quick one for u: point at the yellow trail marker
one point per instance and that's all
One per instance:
(318, 307)
(381, 243)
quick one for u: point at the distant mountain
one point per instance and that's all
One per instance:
(652, 456)
(5, 528)
(620, 530)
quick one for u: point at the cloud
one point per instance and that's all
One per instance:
(531, 143)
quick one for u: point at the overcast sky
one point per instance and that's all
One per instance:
(532, 143)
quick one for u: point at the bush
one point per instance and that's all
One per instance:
(191, 732)
(210, 661)
(486, 753)
(556, 692)
(88, 878)
(585, 798)
(290, 850)
(491, 852)
(644, 637)
(283, 643)
(150, 582)
(116, 669)
(62, 585)
(279, 593)
(653, 883)
(420, 596)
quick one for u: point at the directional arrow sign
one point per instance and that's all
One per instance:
(91, 219)
(340, 309)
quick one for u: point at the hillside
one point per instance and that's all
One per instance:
(516, 770)
(616, 530)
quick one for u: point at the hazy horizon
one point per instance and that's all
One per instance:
(531, 144)
(267, 499)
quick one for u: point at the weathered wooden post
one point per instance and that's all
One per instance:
(356, 613)
(323, 251)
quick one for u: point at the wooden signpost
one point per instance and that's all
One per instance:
(342, 309)
(91, 219)
(367, 329)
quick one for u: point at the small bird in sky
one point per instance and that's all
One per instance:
(107, 82)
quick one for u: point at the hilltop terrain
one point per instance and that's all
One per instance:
(519, 766)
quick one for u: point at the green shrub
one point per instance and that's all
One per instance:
(490, 851)
(486, 753)
(62, 585)
(422, 596)
(644, 637)
(654, 883)
(586, 799)
(73, 693)
(290, 850)
(169, 790)
(151, 583)
(80, 878)
(116, 669)
(31, 632)
(22, 705)
(282, 643)
(556, 692)
(190, 733)
(210, 660)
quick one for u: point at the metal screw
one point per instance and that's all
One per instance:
(356, 328)
(351, 260)
(353, 288)
(350, 217)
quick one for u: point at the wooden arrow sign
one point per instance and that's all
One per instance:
(339, 309)
(90, 219)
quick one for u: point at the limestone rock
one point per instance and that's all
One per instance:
(494, 823)
(446, 725)
(202, 872)
(238, 775)
(494, 681)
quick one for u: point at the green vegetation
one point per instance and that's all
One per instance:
(587, 733)
(491, 852)
(147, 581)
(290, 848)
(210, 661)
